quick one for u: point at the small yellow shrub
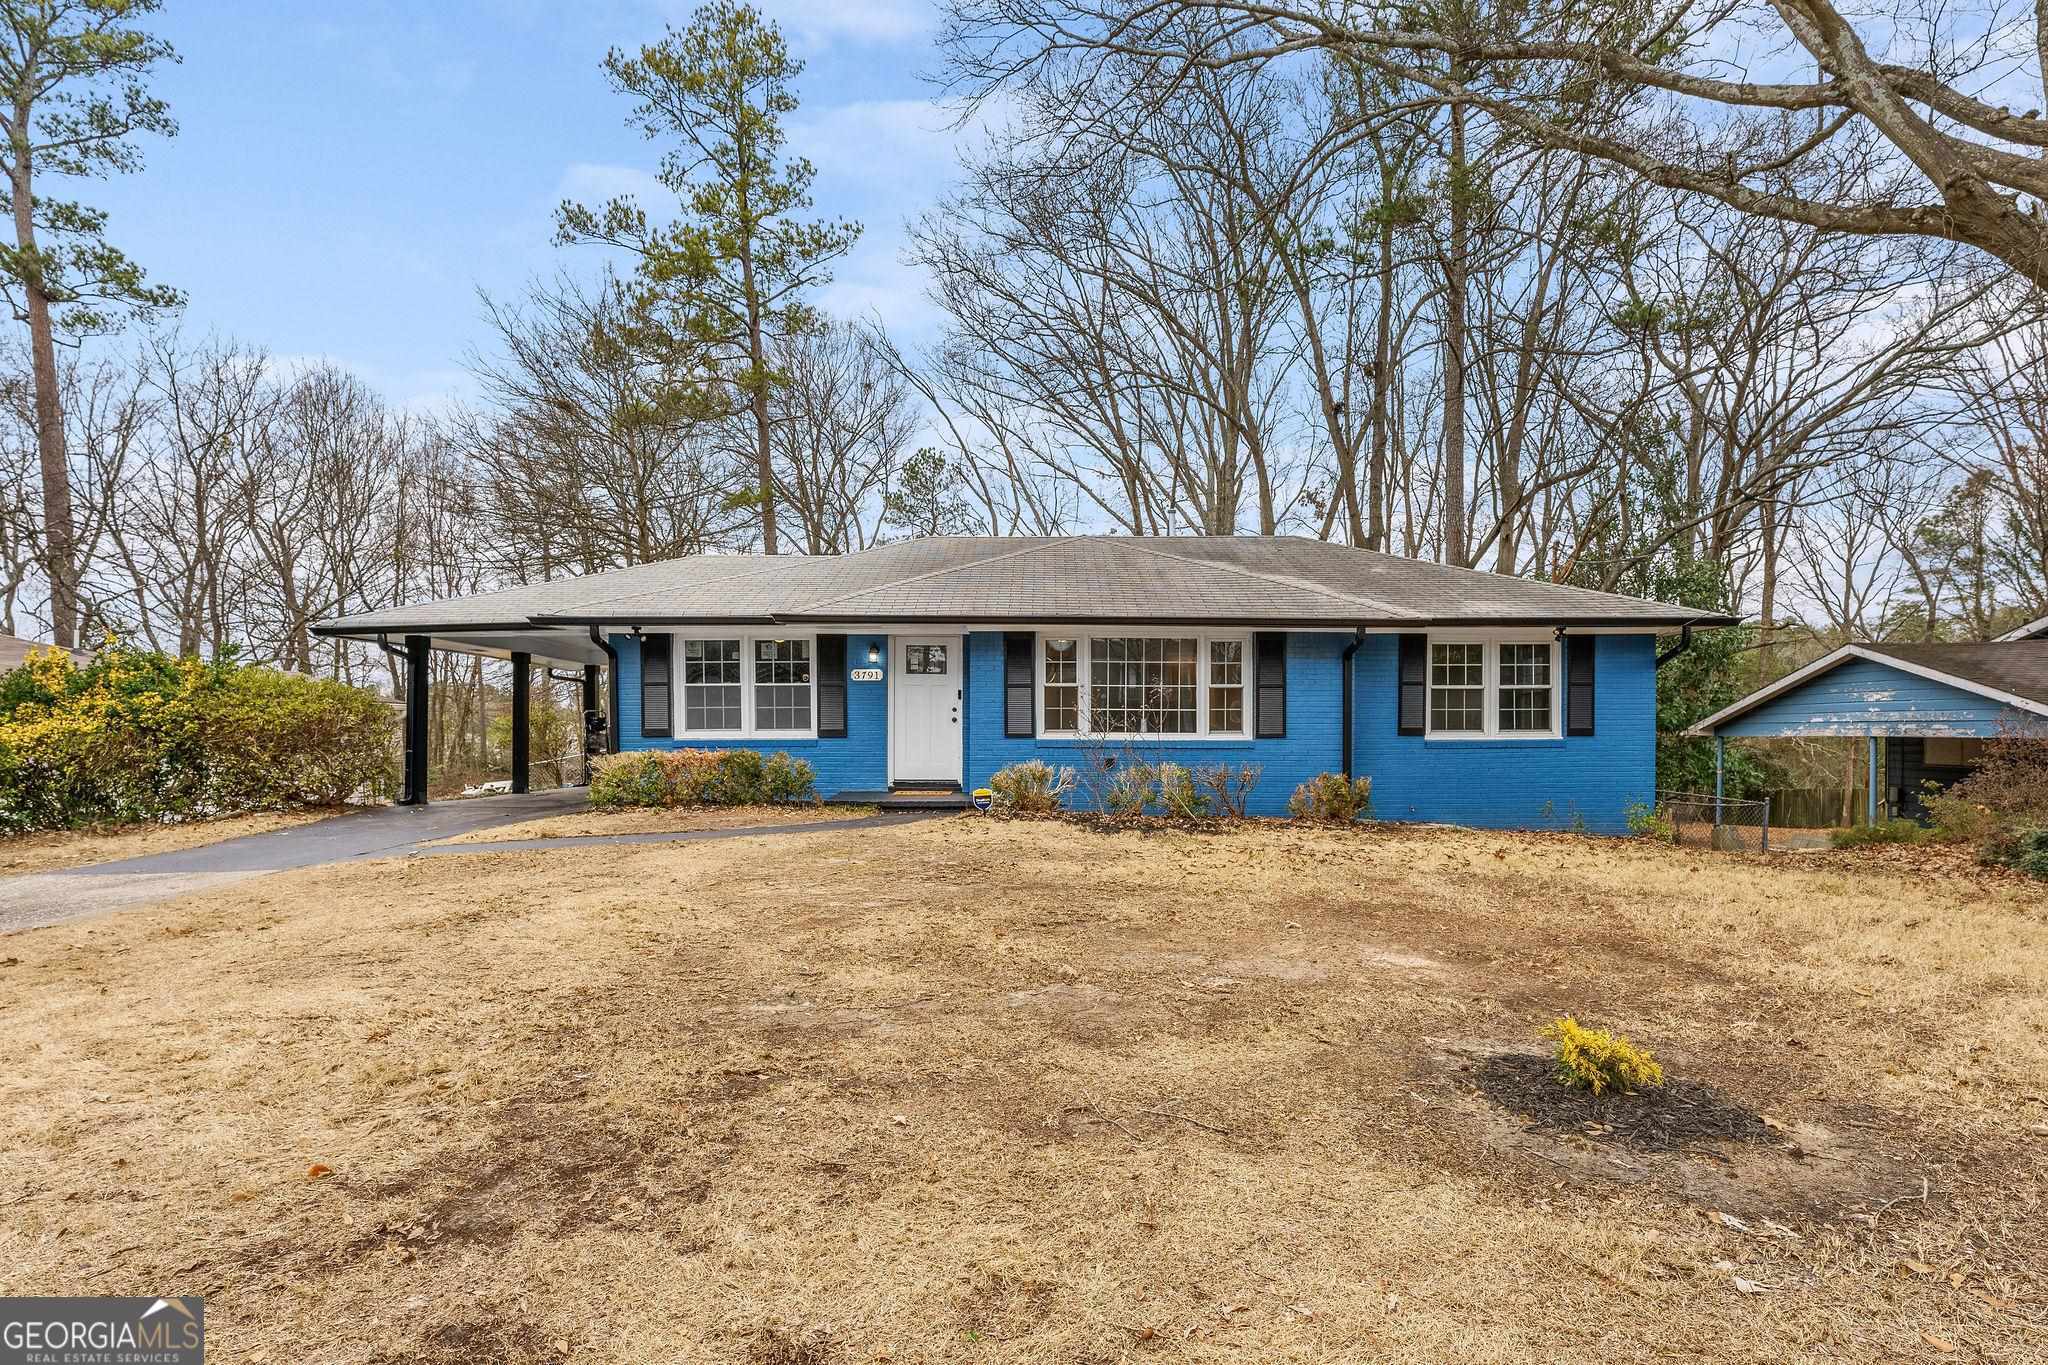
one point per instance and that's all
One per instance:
(1596, 1060)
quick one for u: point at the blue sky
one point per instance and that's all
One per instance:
(346, 177)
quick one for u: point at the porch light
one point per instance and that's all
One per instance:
(874, 655)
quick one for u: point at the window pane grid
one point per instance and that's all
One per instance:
(1062, 686)
(1457, 687)
(1143, 685)
(1226, 687)
(782, 685)
(711, 685)
(1525, 689)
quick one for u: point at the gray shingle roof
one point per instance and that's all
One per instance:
(2016, 667)
(1251, 580)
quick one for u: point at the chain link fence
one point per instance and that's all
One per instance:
(1721, 822)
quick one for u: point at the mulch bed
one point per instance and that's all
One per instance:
(1674, 1117)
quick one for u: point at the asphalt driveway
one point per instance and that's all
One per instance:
(44, 898)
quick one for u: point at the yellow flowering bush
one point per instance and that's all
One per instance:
(134, 735)
(1596, 1060)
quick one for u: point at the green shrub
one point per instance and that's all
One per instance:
(1230, 788)
(1889, 832)
(699, 777)
(1178, 795)
(138, 736)
(1332, 799)
(1594, 1059)
(1958, 818)
(1646, 821)
(1032, 787)
(2024, 849)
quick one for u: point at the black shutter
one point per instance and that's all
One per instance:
(1271, 675)
(1578, 705)
(657, 720)
(1020, 719)
(831, 687)
(1412, 716)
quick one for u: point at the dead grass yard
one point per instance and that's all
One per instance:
(683, 819)
(1011, 1092)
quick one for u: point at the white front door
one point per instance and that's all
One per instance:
(924, 687)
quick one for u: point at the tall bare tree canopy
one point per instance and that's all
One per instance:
(1918, 121)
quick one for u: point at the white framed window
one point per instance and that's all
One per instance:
(1226, 687)
(1488, 687)
(712, 701)
(1143, 685)
(742, 686)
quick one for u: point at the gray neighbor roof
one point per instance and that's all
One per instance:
(2018, 668)
(1180, 580)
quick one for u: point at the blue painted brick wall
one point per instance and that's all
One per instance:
(859, 762)
(1312, 745)
(1505, 784)
(1587, 780)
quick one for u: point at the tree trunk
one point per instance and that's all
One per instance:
(757, 357)
(1382, 370)
(1454, 344)
(60, 525)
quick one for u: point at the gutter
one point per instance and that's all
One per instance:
(1684, 643)
(611, 683)
(1357, 639)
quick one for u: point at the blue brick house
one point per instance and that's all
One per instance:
(928, 665)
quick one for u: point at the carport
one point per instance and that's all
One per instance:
(1912, 697)
(413, 642)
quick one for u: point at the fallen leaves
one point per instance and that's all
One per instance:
(1937, 1343)
(318, 1170)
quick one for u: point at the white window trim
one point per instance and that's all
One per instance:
(1082, 681)
(1490, 669)
(747, 730)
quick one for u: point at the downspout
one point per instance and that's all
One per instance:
(1684, 643)
(611, 687)
(1357, 639)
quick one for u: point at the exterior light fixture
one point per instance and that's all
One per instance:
(874, 655)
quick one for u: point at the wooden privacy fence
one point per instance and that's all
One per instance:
(1815, 807)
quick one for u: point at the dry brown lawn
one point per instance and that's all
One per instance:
(1013, 1092)
(59, 849)
(678, 821)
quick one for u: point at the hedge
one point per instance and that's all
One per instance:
(699, 777)
(138, 736)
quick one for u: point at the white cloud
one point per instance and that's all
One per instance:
(595, 183)
(874, 282)
(814, 24)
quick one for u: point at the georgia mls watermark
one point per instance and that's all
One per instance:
(103, 1331)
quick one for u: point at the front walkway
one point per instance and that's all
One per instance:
(45, 898)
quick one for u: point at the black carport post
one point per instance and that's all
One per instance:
(414, 792)
(522, 701)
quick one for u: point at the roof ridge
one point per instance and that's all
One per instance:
(1283, 580)
(920, 577)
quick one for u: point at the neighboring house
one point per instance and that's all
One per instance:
(1932, 706)
(14, 651)
(1466, 696)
